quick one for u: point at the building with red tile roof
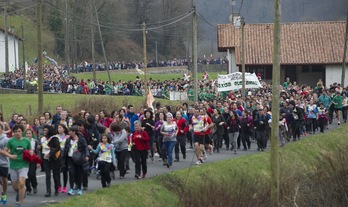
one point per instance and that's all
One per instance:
(309, 50)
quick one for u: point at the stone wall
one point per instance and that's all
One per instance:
(213, 68)
(12, 91)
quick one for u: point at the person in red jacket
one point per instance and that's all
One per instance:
(141, 145)
(181, 137)
(104, 119)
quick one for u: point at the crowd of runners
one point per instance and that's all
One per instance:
(111, 140)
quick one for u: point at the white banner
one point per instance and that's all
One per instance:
(178, 96)
(233, 81)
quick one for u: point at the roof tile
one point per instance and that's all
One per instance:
(301, 43)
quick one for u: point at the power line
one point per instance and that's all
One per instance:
(23, 8)
(241, 5)
(205, 20)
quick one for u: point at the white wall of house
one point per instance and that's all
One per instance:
(232, 67)
(12, 52)
(333, 73)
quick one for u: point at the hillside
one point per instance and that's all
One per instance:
(168, 26)
(30, 37)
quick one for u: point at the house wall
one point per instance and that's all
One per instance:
(232, 67)
(308, 78)
(12, 52)
(333, 73)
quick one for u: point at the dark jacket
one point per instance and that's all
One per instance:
(55, 119)
(233, 125)
(54, 148)
(81, 146)
(148, 128)
(261, 122)
(219, 128)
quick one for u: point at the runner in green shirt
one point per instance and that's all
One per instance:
(18, 167)
(337, 101)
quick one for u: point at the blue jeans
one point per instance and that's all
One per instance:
(169, 146)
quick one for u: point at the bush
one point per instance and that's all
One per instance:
(314, 172)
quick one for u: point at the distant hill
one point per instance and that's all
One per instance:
(30, 37)
(122, 25)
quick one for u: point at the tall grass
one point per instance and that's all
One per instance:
(314, 172)
(21, 104)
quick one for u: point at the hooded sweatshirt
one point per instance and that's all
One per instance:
(3, 159)
(119, 140)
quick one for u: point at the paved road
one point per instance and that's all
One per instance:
(153, 169)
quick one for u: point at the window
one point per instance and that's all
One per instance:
(317, 69)
(305, 69)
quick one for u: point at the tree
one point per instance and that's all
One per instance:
(55, 24)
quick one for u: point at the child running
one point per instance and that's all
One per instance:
(106, 153)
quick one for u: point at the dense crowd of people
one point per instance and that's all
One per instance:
(123, 65)
(56, 80)
(72, 145)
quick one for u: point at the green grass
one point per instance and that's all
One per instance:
(21, 103)
(116, 76)
(247, 177)
(30, 38)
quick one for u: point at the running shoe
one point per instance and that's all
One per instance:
(211, 149)
(198, 162)
(79, 192)
(64, 190)
(59, 189)
(71, 192)
(4, 199)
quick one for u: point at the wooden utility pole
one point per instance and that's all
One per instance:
(7, 64)
(344, 54)
(67, 45)
(275, 191)
(156, 54)
(194, 51)
(102, 42)
(23, 56)
(145, 58)
(39, 56)
(92, 43)
(243, 59)
(14, 47)
(75, 61)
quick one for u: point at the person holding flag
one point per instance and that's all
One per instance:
(205, 75)
(187, 76)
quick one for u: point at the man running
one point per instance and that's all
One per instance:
(18, 167)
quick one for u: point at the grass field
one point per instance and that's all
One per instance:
(27, 104)
(307, 165)
(116, 75)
